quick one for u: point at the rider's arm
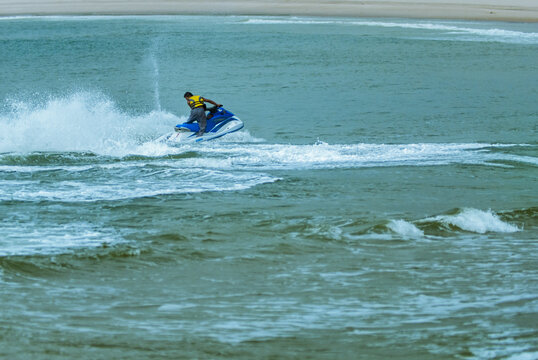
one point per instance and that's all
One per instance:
(212, 102)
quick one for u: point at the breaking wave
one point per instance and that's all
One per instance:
(476, 221)
(405, 229)
(453, 29)
(453, 223)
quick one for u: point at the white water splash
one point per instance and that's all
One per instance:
(155, 71)
(477, 221)
(80, 122)
(88, 122)
(405, 229)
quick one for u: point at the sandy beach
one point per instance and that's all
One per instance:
(495, 10)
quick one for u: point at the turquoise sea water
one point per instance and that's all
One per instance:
(381, 201)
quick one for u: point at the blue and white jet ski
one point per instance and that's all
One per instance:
(219, 123)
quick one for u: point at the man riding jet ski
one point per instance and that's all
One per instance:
(218, 122)
(198, 108)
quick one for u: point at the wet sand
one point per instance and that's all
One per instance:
(505, 10)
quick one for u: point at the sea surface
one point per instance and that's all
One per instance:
(381, 201)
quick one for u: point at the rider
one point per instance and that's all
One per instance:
(197, 105)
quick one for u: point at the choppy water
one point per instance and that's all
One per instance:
(380, 202)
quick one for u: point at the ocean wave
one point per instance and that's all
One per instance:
(290, 20)
(405, 229)
(123, 183)
(25, 239)
(455, 29)
(488, 34)
(476, 221)
(451, 224)
(516, 353)
(329, 156)
(52, 246)
(46, 260)
(234, 154)
(305, 233)
(230, 155)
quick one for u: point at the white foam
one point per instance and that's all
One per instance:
(492, 33)
(328, 156)
(291, 21)
(242, 136)
(28, 239)
(524, 355)
(175, 307)
(454, 29)
(405, 229)
(126, 184)
(79, 122)
(89, 122)
(477, 221)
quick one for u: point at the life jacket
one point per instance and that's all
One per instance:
(195, 101)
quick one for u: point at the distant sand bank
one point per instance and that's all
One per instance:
(506, 10)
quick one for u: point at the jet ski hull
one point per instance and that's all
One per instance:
(221, 123)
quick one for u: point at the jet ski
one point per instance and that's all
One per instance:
(219, 123)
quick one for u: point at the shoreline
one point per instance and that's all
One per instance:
(487, 10)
